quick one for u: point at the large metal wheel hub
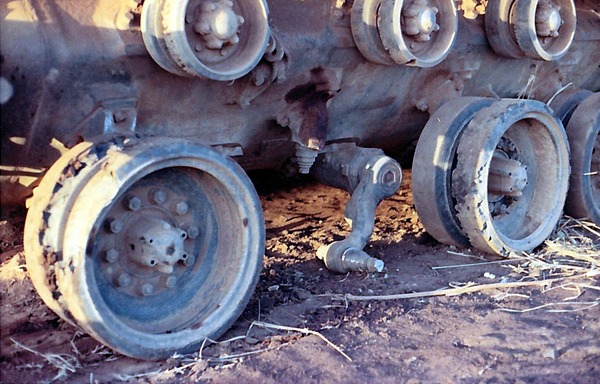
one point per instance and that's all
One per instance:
(548, 20)
(419, 20)
(145, 247)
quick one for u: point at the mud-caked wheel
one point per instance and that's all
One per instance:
(149, 245)
(434, 160)
(539, 29)
(511, 176)
(583, 131)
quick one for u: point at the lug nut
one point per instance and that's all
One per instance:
(189, 261)
(123, 280)
(170, 281)
(111, 255)
(193, 232)
(181, 208)
(147, 289)
(134, 203)
(114, 225)
(159, 196)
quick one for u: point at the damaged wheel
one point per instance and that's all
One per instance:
(511, 176)
(434, 160)
(583, 131)
(151, 246)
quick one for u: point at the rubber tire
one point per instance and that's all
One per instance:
(62, 225)
(583, 132)
(540, 208)
(498, 32)
(432, 168)
(565, 103)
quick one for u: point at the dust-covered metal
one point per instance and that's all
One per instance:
(193, 84)
(369, 176)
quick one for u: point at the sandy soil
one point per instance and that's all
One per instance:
(534, 334)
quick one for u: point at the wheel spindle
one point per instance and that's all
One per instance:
(507, 177)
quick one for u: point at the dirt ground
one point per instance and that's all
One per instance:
(539, 333)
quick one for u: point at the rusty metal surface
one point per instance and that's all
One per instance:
(81, 69)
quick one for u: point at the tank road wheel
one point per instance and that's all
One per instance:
(539, 29)
(434, 160)
(545, 29)
(511, 176)
(565, 103)
(418, 33)
(150, 245)
(217, 39)
(583, 132)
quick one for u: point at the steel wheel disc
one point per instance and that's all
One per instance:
(167, 255)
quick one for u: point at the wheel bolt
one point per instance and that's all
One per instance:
(123, 280)
(171, 281)
(193, 232)
(181, 208)
(134, 203)
(159, 196)
(189, 261)
(111, 255)
(115, 226)
(147, 289)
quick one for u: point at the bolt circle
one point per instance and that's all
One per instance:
(159, 196)
(111, 255)
(147, 289)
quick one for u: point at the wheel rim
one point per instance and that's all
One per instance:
(511, 190)
(545, 29)
(221, 39)
(434, 160)
(583, 131)
(153, 313)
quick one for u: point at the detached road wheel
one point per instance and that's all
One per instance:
(511, 177)
(151, 246)
(583, 131)
(434, 160)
